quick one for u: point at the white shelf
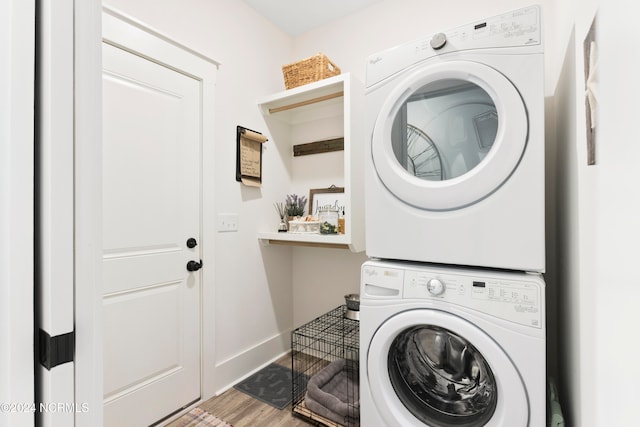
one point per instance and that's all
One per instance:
(338, 241)
(285, 105)
(329, 108)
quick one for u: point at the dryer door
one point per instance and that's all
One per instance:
(432, 368)
(449, 135)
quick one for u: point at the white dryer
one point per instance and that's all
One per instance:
(455, 164)
(451, 347)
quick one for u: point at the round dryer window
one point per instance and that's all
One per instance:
(449, 135)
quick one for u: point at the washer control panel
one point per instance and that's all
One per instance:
(516, 297)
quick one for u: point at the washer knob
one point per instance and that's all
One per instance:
(438, 41)
(435, 287)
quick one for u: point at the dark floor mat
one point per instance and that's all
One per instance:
(271, 385)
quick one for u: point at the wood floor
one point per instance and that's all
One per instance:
(241, 410)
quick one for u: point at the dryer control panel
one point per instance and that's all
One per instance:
(520, 29)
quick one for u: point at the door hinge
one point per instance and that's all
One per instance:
(57, 350)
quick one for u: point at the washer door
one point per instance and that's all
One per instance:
(449, 135)
(432, 368)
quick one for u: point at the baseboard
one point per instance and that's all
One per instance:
(233, 370)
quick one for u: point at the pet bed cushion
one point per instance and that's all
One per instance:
(334, 394)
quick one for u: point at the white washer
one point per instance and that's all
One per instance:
(444, 347)
(455, 166)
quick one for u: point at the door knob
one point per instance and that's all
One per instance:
(192, 243)
(194, 265)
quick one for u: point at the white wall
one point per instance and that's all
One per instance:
(575, 201)
(321, 279)
(566, 214)
(617, 222)
(598, 224)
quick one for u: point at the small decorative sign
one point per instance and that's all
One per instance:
(326, 197)
(249, 156)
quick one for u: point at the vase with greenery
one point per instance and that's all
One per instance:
(295, 205)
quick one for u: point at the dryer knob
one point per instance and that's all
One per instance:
(438, 41)
(435, 287)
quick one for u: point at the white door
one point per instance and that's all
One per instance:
(151, 207)
(450, 134)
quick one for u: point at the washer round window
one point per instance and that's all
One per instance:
(441, 378)
(444, 129)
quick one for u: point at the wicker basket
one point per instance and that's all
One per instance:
(309, 70)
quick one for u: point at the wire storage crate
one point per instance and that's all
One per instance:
(325, 360)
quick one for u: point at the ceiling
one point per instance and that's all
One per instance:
(298, 16)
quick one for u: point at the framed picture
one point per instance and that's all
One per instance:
(321, 197)
(590, 78)
(249, 156)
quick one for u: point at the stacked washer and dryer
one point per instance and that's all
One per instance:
(452, 299)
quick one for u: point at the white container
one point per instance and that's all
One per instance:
(304, 227)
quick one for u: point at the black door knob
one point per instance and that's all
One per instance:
(194, 265)
(192, 243)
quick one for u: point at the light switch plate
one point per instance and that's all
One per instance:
(227, 222)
